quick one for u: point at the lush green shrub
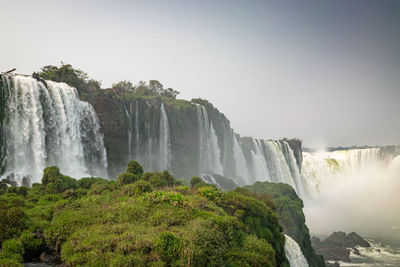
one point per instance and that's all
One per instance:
(87, 182)
(172, 198)
(99, 188)
(183, 189)
(12, 222)
(159, 179)
(255, 252)
(12, 249)
(23, 191)
(5, 262)
(33, 245)
(137, 188)
(12, 189)
(170, 247)
(196, 181)
(126, 178)
(55, 182)
(210, 192)
(134, 168)
(19, 190)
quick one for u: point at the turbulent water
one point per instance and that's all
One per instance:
(48, 125)
(294, 254)
(377, 255)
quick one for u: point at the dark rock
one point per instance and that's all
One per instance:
(358, 240)
(337, 246)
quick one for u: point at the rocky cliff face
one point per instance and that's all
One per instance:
(190, 138)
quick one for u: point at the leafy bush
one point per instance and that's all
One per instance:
(87, 182)
(5, 262)
(255, 252)
(12, 249)
(137, 188)
(32, 245)
(159, 179)
(210, 192)
(135, 168)
(100, 188)
(55, 182)
(12, 222)
(171, 198)
(170, 247)
(126, 178)
(195, 181)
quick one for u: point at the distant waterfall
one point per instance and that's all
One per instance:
(240, 160)
(49, 125)
(320, 167)
(209, 158)
(164, 141)
(129, 133)
(259, 164)
(294, 254)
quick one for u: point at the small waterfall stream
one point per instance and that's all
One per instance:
(294, 254)
(164, 141)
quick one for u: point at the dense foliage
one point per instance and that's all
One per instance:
(151, 220)
(290, 210)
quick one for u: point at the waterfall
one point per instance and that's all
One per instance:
(209, 151)
(240, 160)
(129, 127)
(294, 254)
(259, 164)
(49, 125)
(164, 141)
(319, 168)
(149, 159)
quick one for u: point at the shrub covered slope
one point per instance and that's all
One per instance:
(142, 219)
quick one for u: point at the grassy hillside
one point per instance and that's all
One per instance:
(142, 219)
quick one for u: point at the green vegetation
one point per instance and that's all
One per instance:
(290, 210)
(151, 220)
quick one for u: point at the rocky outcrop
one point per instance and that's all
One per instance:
(337, 246)
(290, 210)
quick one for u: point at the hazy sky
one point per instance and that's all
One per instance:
(327, 72)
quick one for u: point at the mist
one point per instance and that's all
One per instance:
(364, 200)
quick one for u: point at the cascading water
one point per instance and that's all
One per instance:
(259, 164)
(164, 141)
(240, 160)
(129, 133)
(319, 168)
(49, 125)
(209, 158)
(294, 254)
(353, 189)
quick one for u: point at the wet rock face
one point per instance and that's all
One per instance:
(338, 245)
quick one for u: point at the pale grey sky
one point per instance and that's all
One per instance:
(327, 72)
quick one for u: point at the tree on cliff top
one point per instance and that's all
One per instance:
(67, 74)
